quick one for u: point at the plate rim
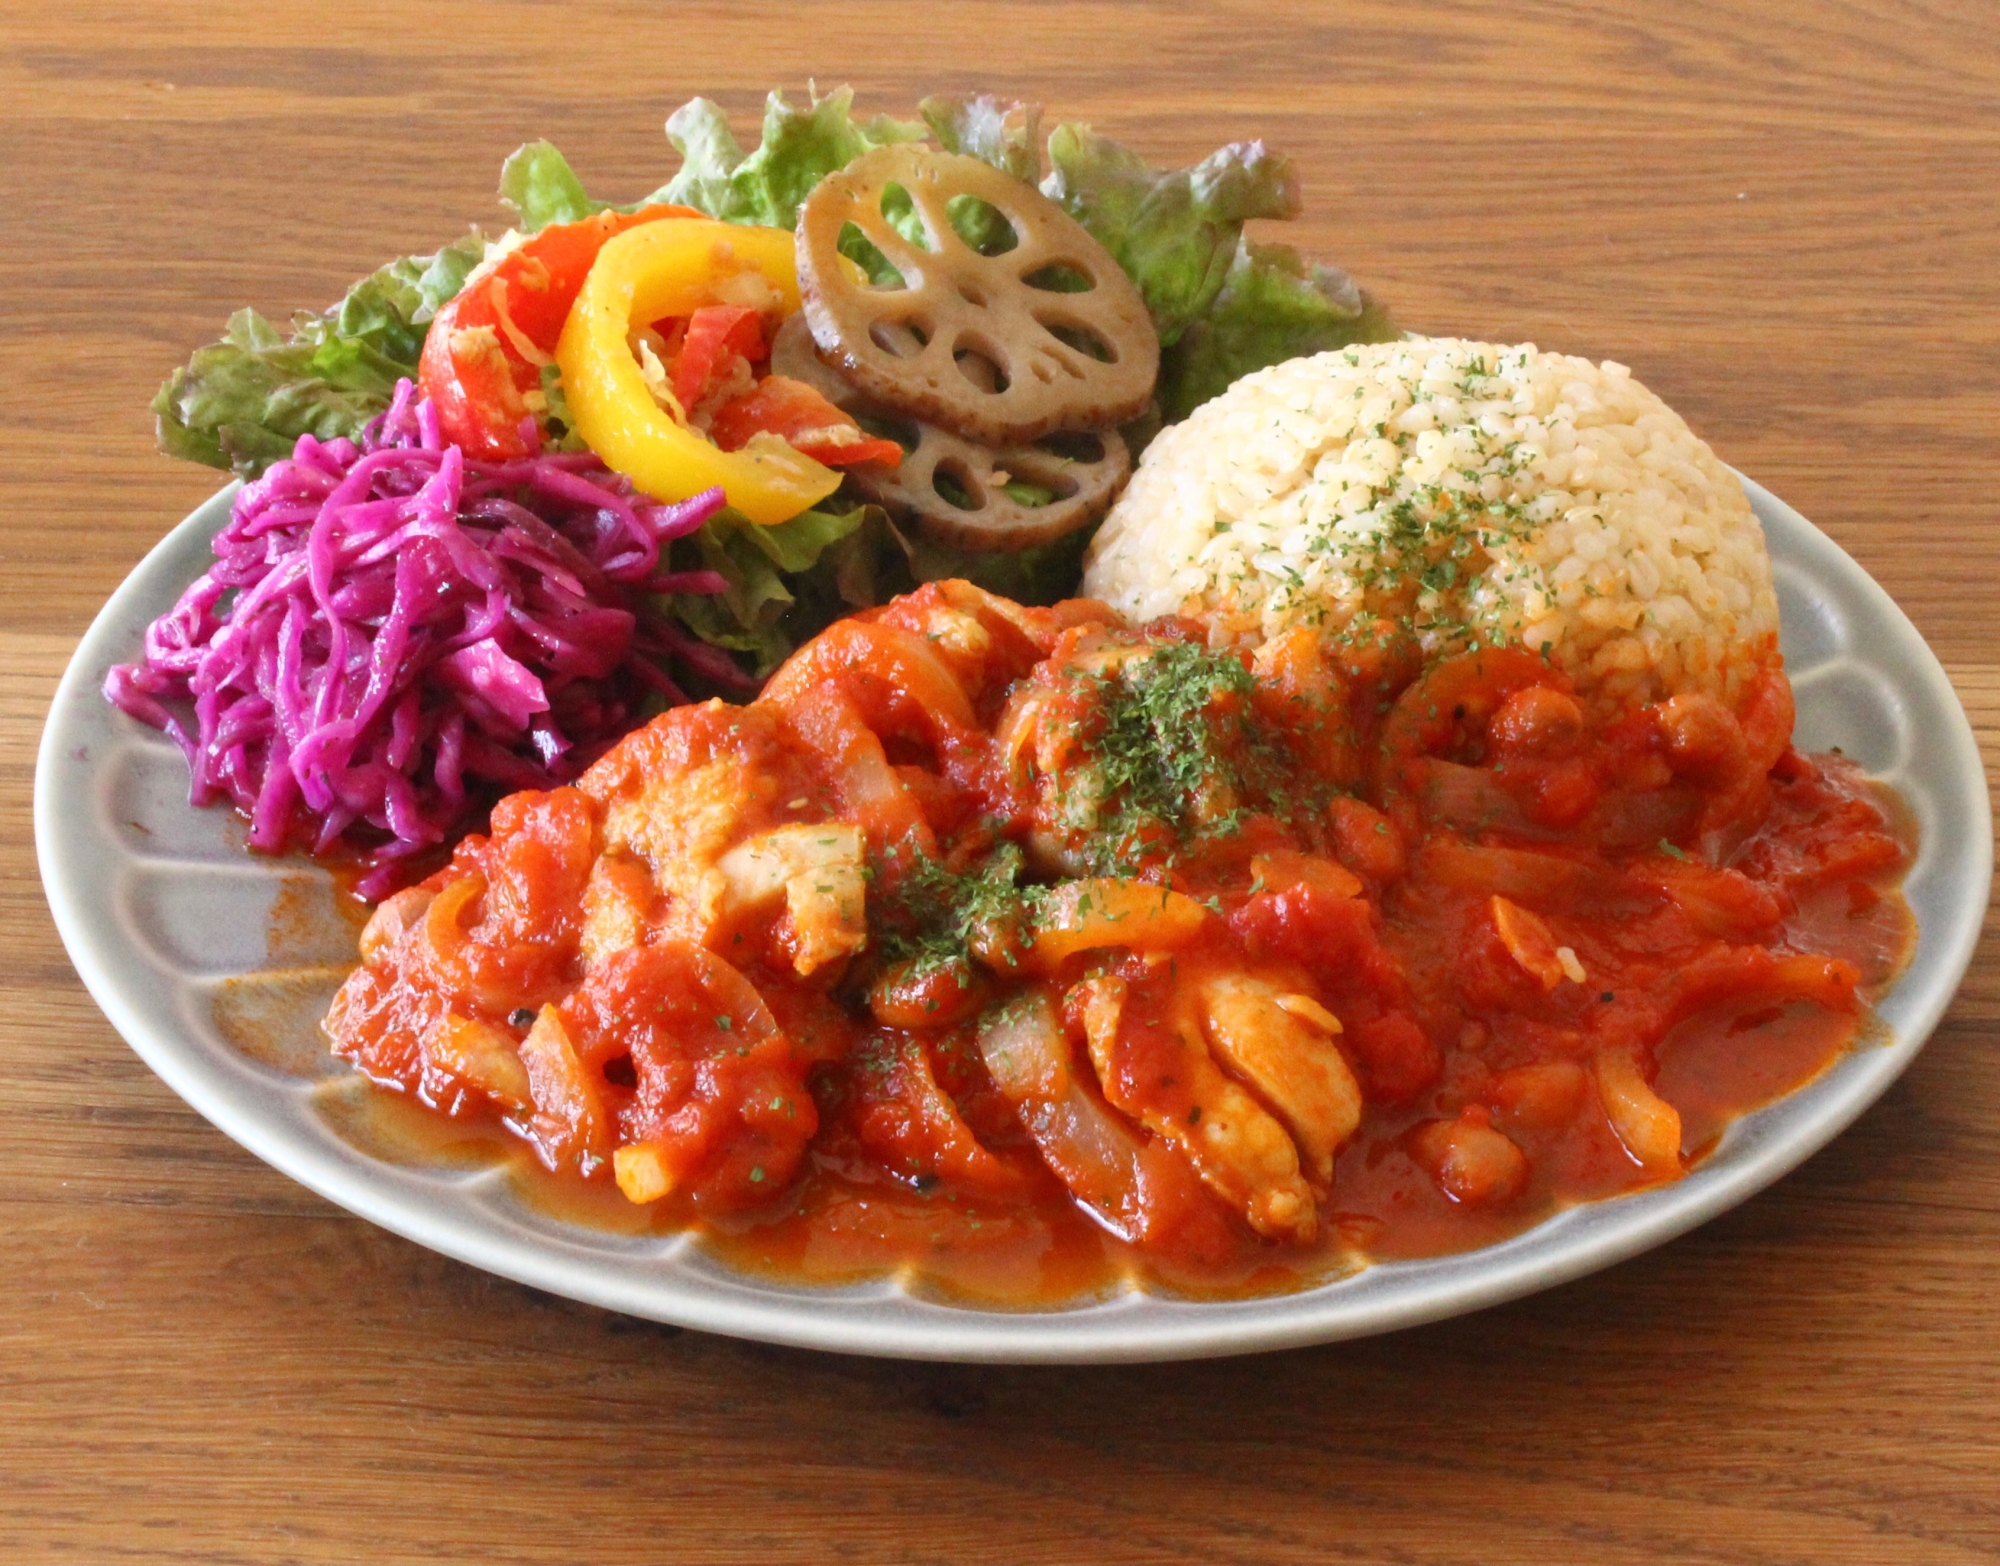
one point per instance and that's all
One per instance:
(744, 1306)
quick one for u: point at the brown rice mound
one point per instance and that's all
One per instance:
(1471, 492)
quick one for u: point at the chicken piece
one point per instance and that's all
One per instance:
(958, 637)
(819, 870)
(682, 824)
(680, 792)
(688, 799)
(615, 902)
(1158, 1070)
(1282, 1045)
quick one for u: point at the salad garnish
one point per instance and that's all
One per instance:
(626, 350)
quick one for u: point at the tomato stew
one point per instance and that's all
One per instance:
(1023, 951)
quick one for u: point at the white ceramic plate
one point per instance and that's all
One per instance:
(165, 914)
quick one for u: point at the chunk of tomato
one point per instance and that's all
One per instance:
(804, 420)
(717, 337)
(486, 347)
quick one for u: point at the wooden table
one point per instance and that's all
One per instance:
(1779, 212)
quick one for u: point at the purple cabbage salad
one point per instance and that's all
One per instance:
(394, 634)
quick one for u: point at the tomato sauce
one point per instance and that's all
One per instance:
(1018, 954)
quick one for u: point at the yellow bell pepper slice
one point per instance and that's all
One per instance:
(668, 268)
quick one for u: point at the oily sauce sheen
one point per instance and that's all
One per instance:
(1018, 953)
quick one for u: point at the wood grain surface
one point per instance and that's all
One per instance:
(1781, 213)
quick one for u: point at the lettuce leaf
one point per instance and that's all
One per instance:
(710, 157)
(243, 402)
(786, 582)
(1179, 235)
(541, 187)
(790, 582)
(1175, 233)
(999, 131)
(1273, 305)
(391, 309)
(800, 147)
(1224, 306)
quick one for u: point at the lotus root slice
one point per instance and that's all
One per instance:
(1047, 334)
(1083, 470)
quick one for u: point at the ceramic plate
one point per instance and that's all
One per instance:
(188, 942)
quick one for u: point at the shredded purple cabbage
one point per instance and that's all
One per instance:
(393, 633)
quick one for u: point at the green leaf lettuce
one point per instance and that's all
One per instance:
(785, 582)
(541, 187)
(998, 131)
(1224, 305)
(1273, 305)
(1173, 232)
(243, 402)
(800, 147)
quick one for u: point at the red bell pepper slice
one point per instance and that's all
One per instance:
(802, 418)
(486, 347)
(717, 336)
